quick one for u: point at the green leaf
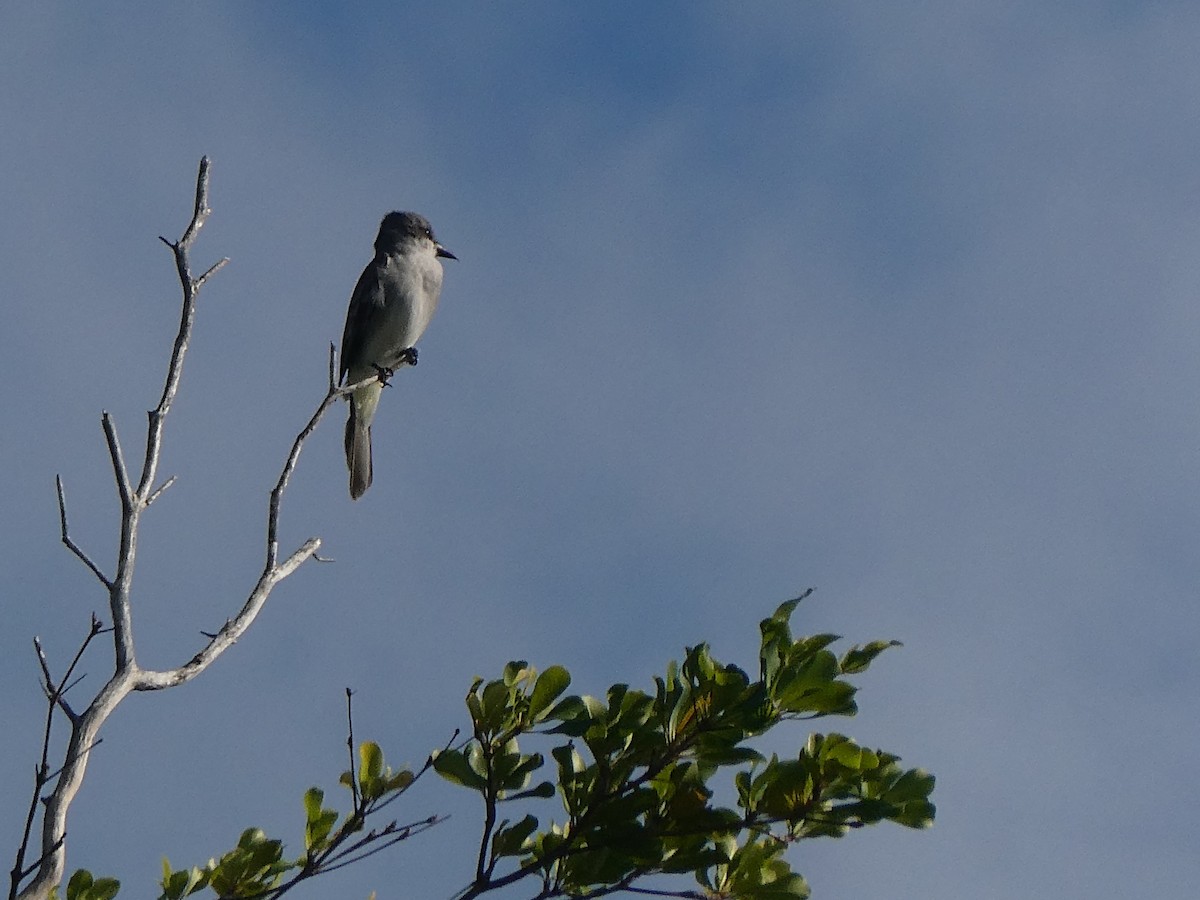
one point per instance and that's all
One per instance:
(544, 791)
(548, 687)
(104, 889)
(916, 814)
(371, 771)
(721, 753)
(811, 688)
(915, 784)
(857, 659)
(400, 781)
(845, 752)
(453, 766)
(494, 703)
(319, 821)
(474, 707)
(83, 887)
(79, 885)
(370, 758)
(313, 798)
(569, 760)
(776, 639)
(263, 852)
(176, 885)
(783, 612)
(572, 714)
(512, 840)
(683, 714)
(512, 770)
(515, 671)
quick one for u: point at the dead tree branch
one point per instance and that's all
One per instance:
(48, 869)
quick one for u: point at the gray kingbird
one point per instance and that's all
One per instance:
(389, 310)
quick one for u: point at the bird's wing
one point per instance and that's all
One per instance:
(365, 303)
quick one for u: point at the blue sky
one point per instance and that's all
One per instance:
(893, 300)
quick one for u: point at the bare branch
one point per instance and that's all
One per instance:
(398, 833)
(53, 694)
(350, 747)
(85, 727)
(200, 212)
(288, 467)
(19, 876)
(84, 734)
(304, 552)
(66, 538)
(191, 287)
(273, 572)
(158, 491)
(51, 860)
(127, 675)
(147, 680)
(212, 270)
(124, 488)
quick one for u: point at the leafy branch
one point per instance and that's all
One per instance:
(256, 867)
(635, 776)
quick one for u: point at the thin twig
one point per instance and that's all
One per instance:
(158, 491)
(401, 833)
(83, 751)
(66, 538)
(52, 694)
(212, 270)
(350, 747)
(331, 396)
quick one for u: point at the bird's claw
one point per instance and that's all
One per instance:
(406, 357)
(384, 374)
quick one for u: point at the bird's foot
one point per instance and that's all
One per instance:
(406, 357)
(384, 374)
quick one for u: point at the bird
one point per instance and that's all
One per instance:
(391, 306)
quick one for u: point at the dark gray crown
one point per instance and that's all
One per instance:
(399, 227)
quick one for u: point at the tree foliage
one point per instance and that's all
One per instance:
(635, 775)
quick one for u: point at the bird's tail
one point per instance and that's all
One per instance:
(358, 453)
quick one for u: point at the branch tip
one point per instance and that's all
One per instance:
(212, 270)
(66, 537)
(161, 489)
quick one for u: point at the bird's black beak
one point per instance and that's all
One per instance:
(442, 251)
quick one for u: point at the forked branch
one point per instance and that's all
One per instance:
(47, 870)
